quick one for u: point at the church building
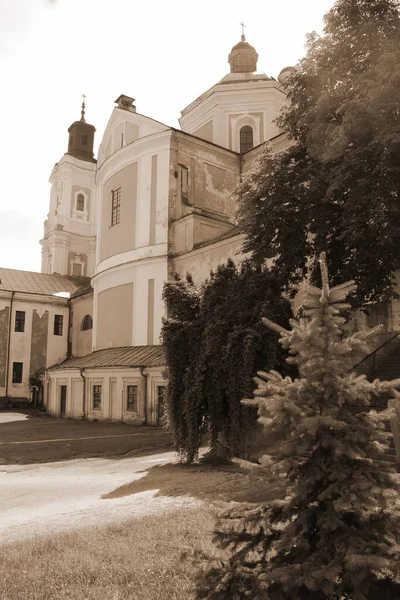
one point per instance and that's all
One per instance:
(156, 201)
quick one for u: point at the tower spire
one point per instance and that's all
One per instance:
(83, 108)
(243, 38)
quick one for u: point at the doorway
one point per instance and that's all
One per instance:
(63, 400)
(161, 413)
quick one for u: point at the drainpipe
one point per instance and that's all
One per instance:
(146, 387)
(69, 341)
(9, 344)
(81, 369)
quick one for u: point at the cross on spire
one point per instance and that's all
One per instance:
(243, 26)
(83, 108)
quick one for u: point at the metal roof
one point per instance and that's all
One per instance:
(30, 282)
(127, 356)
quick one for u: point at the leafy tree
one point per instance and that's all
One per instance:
(336, 534)
(214, 343)
(337, 187)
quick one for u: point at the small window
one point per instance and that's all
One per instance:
(87, 323)
(84, 139)
(115, 206)
(58, 324)
(17, 372)
(71, 140)
(76, 269)
(131, 398)
(20, 320)
(246, 139)
(80, 202)
(97, 397)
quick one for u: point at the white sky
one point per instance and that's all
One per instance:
(162, 53)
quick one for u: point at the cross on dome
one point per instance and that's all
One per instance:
(83, 108)
(243, 38)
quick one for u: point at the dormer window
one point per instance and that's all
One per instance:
(80, 202)
(246, 139)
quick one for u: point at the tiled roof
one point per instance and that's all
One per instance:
(127, 356)
(39, 283)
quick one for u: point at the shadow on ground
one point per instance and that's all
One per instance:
(231, 482)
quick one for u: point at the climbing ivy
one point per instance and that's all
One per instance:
(214, 344)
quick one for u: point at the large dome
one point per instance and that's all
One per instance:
(243, 57)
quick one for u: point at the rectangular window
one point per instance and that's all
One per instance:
(115, 206)
(17, 372)
(97, 397)
(84, 139)
(80, 202)
(19, 320)
(58, 324)
(76, 269)
(131, 398)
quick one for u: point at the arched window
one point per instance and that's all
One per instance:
(80, 202)
(87, 323)
(246, 139)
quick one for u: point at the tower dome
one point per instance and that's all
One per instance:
(285, 74)
(81, 138)
(243, 57)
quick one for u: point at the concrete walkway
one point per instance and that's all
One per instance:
(42, 499)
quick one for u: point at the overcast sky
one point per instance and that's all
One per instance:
(163, 54)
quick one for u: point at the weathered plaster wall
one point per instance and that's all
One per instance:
(4, 324)
(39, 336)
(201, 261)
(202, 179)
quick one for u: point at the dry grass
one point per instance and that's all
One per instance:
(136, 560)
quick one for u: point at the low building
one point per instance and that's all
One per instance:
(115, 384)
(35, 321)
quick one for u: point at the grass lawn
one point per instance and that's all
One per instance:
(136, 560)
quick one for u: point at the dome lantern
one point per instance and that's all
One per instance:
(243, 57)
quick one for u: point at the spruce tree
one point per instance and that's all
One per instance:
(335, 536)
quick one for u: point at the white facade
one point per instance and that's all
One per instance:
(238, 100)
(113, 385)
(161, 200)
(69, 240)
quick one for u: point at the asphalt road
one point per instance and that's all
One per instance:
(27, 438)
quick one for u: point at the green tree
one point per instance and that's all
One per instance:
(335, 536)
(214, 344)
(337, 187)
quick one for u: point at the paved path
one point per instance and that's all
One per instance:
(29, 439)
(41, 499)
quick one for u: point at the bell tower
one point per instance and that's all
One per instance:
(69, 240)
(81, 138)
